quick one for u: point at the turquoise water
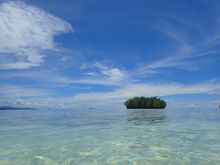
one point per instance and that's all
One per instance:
(110, 136)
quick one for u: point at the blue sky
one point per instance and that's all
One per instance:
(74, 53)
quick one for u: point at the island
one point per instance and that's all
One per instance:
(145, 103)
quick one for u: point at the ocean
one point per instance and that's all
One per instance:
(174, 136)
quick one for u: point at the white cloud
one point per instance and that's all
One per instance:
(194, 104)
(38, 97)
(112, 73)
(149, 90)
(15, 92)
(18, 65)
(102, 74)
(187, 50)
(96, 81)
(25, 33)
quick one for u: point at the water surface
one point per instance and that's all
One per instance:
(110, 136)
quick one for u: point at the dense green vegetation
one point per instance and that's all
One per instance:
(145, 103)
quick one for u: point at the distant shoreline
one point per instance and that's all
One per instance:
(16, 108)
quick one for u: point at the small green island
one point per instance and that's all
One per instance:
(145, 103)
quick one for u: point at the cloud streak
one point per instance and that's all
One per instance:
(186, 49)
(26, 33)
(15, 92)
(116, 97)
(102, 74)
(150, 90)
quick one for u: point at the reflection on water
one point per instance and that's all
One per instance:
(139, 116)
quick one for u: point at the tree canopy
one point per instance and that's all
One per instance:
(145, 103)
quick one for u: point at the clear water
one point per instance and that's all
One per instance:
(110, 136)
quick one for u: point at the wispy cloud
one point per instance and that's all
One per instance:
(185, 49)
(116, 97)
(102, 74)
(113, 74)
(150, 90)
(26, 33)
(15, 92)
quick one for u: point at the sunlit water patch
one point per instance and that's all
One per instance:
(110, 136)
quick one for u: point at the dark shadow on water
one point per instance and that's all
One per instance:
(146, 116)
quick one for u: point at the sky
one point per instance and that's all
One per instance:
(99, 53)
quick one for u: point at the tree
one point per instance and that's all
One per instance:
(145, 103)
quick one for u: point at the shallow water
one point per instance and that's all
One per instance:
(110, 136)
